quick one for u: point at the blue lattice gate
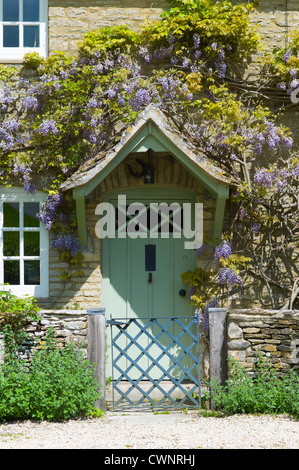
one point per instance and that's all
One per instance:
(155, 361)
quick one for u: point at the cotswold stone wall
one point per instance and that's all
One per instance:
(69, 20)
(274, 333)
(69, 326)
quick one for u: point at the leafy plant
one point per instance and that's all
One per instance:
(59, 384)
(15, 313)
(264, 392)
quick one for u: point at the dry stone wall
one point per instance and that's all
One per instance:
(68, 325)
(273, 333)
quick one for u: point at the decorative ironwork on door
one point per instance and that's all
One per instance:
(159, 365)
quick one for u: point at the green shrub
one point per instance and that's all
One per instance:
(263, 392)
(17, 311)
(58, 384)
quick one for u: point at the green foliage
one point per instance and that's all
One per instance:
(264, 392)
(118, 39)
(282, 63)
(215, 22)
(15, 313)
(58, 385)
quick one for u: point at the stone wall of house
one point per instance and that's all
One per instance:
(273, 333)
(69, 20)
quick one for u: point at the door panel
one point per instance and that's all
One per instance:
(127, 292)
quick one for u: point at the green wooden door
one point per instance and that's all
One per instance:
(132, 291)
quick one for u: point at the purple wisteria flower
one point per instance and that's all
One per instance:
(47, 126)
(282, 86)
(141, 98)
(5, 98)
(121, 100)
(31, 103)
(29, 185)
(295, 171)
(144, 52)
(279, 178)
(197, 54)
(229, 277)
(65, 241)
(287, 55)
(224, 250)
(48, 213)
(92, 103)
(196, 40)
(185, 63)
(263, 177)
(8, 136)
(293, 72)
(256, 228)
(272, 136)
(112, 92)
(288, 141)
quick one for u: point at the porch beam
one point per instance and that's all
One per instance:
(81, 216)
(222, 196)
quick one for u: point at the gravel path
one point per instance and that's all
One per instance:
(155, 431)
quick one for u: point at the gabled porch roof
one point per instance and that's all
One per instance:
(151, 130)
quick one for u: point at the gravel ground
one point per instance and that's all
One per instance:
(176, 430)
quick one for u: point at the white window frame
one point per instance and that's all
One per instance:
(41, 290)
(17, 53)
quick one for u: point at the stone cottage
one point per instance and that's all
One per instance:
(126, 276)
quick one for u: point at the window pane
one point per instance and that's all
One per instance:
(12, 272)
(11, 36)
(30, 211)
(31, 273)
(31, 244)
(31, 36)
(11, 214)
(30, 10)
(10, 10)
(11, 244)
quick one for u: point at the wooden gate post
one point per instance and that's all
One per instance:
(97, 349)
(218, 345)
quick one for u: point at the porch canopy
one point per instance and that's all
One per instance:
(151, 130)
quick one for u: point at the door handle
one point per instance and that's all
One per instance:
(182, 292)
(150, 278)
